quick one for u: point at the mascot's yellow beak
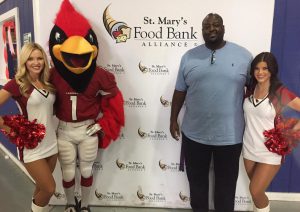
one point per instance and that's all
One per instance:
(76, 53)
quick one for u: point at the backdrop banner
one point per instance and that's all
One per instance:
(141, 43)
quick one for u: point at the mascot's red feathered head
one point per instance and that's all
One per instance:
(73, 47)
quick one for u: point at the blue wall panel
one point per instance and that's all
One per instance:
(26, 25)
(10, 107)
(25, 14)
(286, 47)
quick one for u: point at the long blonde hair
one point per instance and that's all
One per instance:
(22, 76)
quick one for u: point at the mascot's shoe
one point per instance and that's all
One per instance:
(85, 209)
(70, 208)
(78, 204)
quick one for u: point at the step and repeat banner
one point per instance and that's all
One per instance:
(141, 43)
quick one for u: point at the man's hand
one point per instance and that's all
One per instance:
(174, 130)
(93, 129)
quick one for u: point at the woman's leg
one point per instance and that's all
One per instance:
(52, 163)
(41, 171)
(249, 167)
(262, 176)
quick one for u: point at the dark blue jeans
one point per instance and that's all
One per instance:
(226, 169)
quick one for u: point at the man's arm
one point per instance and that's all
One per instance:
(177, 102)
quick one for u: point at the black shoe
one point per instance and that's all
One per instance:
(78, 204)
(85, 209)
(70, 208)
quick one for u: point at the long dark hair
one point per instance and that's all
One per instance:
(272, 64)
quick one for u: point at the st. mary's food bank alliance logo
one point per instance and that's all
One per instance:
(243, 200)
(159, 31)
(165, 102)
(155, 135)
(184, 197)
(151, 196)
(119, 31)
(130, 165)
(109, 196)
(135, 102)
(115, 68)
(173, 166)
(154, 69)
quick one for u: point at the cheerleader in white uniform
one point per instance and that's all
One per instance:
(266, 97)
(35, 96)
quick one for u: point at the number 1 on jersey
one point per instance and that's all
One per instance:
(74, 107)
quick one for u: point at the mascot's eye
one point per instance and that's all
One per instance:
(91, 38)
(57, 37)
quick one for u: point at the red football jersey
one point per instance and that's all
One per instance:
(71, 106)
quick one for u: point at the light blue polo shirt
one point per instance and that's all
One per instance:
(214, 99)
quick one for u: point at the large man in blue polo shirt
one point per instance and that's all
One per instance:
(211, 81)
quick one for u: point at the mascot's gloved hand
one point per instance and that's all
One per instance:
(93, 129)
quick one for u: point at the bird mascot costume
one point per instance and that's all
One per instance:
(89, 104)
